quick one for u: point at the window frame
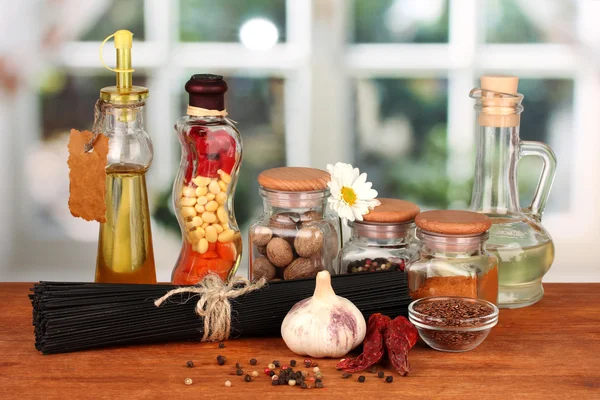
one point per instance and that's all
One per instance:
(316, 56)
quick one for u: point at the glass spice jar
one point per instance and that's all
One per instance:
(384, 240)
(453, 260)
(205, 184)
(297, 236)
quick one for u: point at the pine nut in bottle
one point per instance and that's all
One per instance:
(202, 246)
(221, 198)
(222, 214)
(199, 209)
(223, 186)
(201, 181)
(197, 234)
(213, 187)
(225, 177)
(188, 212)
(211, 206)
(211, 234)
(210, 196)
(187, 201)
(202, 200)
(226, 236)
(188, 192)
(218, 227)
(197, 221)
(208, 217)
(201, 191)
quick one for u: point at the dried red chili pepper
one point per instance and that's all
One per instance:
(373, 345)
(400, 336)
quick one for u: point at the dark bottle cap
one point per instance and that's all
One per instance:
(207, 91)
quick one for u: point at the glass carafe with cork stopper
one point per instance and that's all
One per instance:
(383, 241)
(125, 253)
(523, 247)
(211, 153)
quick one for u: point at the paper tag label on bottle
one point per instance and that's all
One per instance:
(87, 176)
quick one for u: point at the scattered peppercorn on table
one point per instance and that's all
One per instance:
(548, 350)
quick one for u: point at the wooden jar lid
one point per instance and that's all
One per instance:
(453, 222)
(393, 211)
(294, 179)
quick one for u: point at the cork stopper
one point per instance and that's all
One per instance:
(294, 179)
(500, 83)
(393, 211)
(500, 102)
(453, 222)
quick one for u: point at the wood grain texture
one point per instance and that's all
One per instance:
(453, 222)
(550, 350)
(294, 179)
(393, 211)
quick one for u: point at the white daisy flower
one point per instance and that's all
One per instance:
(351, 194)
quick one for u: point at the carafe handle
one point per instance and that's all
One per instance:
(542, 150)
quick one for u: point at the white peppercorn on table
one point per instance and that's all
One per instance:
(548, 350)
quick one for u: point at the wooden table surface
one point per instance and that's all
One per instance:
(546, 351)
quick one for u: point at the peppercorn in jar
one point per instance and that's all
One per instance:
(383, 241)
(453, 260)
(297, 236)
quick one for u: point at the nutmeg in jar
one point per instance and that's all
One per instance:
(297, 236)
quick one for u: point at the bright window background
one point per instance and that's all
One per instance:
(382, 84)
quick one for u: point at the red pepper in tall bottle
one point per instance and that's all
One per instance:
(205, 184)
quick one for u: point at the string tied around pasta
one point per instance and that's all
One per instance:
(214, 305)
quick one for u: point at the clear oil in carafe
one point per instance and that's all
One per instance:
(525, 254)
(523, 247)
(125, 253)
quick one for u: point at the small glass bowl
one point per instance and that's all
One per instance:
(453, 334)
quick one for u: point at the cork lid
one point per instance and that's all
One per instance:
(499, 100)
(294, 179)
(453, 222)
(500, 83)
(393, 211)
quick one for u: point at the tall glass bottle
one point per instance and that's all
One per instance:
(523, 247)
(125, 252)
(211, 153)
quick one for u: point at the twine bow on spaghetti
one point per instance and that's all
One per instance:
(214, 304)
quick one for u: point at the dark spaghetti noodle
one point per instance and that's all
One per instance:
(77, 316)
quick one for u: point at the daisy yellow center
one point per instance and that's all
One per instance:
(348, 195)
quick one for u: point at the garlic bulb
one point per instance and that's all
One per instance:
(324, 325)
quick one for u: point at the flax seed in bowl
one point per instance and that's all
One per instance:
(453, 324)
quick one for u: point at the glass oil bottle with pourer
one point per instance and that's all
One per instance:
(524, 249)
(125, 253)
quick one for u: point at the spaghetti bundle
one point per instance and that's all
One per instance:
(77, 316)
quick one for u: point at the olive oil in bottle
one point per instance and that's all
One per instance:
(125, 253)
